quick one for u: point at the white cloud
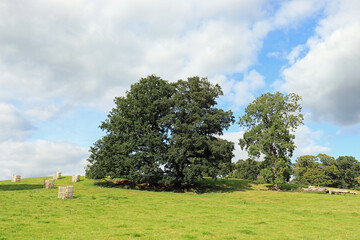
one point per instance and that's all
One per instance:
(240, 93)
(255, 80)
(226, 85)
(293, 12)
(45, 111)
(40, 158)
(234, 137)
(13, 125)
(295, 53)
(338, 14)
(308, 141)
(53, 50)
(327, 77)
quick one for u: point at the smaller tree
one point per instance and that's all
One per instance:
(349, 169)
(248, 169)
(324, 170)
(269, 121)
(308, 170)
(332, 172)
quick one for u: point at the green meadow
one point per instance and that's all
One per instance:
(223, 209)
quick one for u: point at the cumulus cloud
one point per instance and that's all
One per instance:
(88, 52)
(293, 12)
(53, 50)
(243, 90)
(234, 137)
(295, 53)
(327, 77)
(240, 93)
(338, 14)
(45, 111)
(33, 158)
(307, 141)
(40, 158)
(13, 125)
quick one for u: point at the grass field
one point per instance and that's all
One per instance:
(230, 209)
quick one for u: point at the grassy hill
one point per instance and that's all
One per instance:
(227, 209)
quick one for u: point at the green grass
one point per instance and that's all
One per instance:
(222, 209)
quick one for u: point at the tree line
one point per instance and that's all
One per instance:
(320, 170)
(169, 133)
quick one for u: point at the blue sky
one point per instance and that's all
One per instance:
(63, 62)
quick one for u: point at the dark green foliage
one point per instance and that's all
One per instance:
(136, 138)
(164, 133)
(268, 121)
(266, 171)
(331, 171)
(349, 169)
(291, 187)
(323, 170)
(248, 169)
(309, 170)
(194, 148)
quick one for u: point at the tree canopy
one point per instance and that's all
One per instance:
(246, 169)
(324, 170)
(349, 169)
(269, 121)
(308, 169)
(164, 133)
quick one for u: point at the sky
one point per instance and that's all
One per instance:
(63, 62)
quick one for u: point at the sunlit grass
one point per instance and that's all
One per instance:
(223, 209)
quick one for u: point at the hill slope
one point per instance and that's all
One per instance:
(231, 209)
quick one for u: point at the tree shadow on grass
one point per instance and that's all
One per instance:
(19, 187)
(206, 185)
(223, 185)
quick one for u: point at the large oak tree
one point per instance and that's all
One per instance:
(164, 133)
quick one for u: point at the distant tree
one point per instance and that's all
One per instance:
(248, 169)
(268, 121)
(331, 170)
(308, 170)
(164, 133)
(349, 169)
(324, 170)
(358, 180)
